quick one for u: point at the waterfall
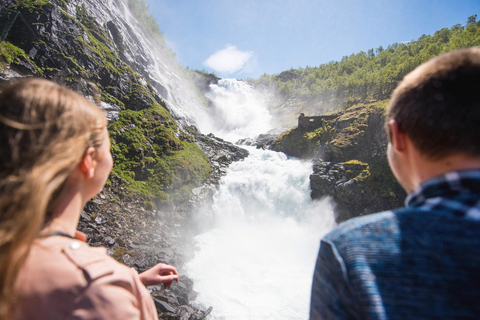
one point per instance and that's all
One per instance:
(258, 260)
(150, 58)
(238, 110)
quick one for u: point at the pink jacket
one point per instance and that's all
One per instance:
(65, 278)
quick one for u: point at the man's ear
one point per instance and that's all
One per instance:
(398, 138)
(87, 164)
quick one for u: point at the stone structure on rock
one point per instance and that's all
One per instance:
(350, 163)
(312, 122)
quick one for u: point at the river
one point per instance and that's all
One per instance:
(257, 260)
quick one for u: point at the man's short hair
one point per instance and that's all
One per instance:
(438, 105)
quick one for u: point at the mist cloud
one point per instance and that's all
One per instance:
(228, 60)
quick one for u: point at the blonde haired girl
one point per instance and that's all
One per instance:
(54, 157)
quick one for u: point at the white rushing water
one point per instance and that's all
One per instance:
(258, 260)
(238, 111)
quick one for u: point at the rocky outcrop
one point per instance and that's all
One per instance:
(355, 189)
(221, 154)
(264, 140)
(349, 148)
(203, 80)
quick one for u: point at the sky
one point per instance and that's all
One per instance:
(247, 38)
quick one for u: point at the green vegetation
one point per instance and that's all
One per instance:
(13, 55)
(353, 136)
(10, 53)
(344, 130)
(158, 159)
(370, 75)
(119, 252)
(32, 6)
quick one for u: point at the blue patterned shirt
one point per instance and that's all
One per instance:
(417, 262)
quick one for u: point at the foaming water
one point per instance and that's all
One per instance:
(239, 111)
(258, 260)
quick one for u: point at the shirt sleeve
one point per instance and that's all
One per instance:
(331, 295)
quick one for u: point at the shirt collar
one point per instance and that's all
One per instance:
(465, 181)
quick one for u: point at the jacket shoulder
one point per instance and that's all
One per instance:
(95, 262)
(368, 223)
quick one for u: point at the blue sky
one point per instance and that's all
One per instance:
(246, 38)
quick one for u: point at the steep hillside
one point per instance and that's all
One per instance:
(362, 76)
(64, 41)
(349, 143)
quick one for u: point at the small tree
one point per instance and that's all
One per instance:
(472, 20)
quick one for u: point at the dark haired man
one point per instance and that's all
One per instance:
(421, 261)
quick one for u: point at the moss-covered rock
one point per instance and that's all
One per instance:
(351, 166)
(157, 157)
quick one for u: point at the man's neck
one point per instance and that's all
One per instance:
(426, 169)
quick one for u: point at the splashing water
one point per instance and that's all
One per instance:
(239, 111)
(258, 260)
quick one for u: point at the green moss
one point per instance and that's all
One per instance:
(64, 4)
(32, 6)
(108, 98)
(155, 157)
(139, 10)
(13, 55)
(304, 144)
(355, 162)
(297, 143)
(119, 252)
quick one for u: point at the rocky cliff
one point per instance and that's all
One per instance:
(95, 49)
(350, 164)
(100, 49)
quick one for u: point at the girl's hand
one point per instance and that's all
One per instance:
(160, 273)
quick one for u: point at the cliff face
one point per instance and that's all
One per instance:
(99, 49)
(349, 148)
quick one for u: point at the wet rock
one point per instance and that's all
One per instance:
(221, 154)
(263, 141)
(109, 240)
(349, 183)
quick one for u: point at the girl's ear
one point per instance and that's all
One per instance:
(87, 164)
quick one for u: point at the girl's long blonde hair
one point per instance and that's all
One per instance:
(45, 129)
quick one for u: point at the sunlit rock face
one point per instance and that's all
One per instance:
(120, 45)
(349, 148)
(147, 54)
